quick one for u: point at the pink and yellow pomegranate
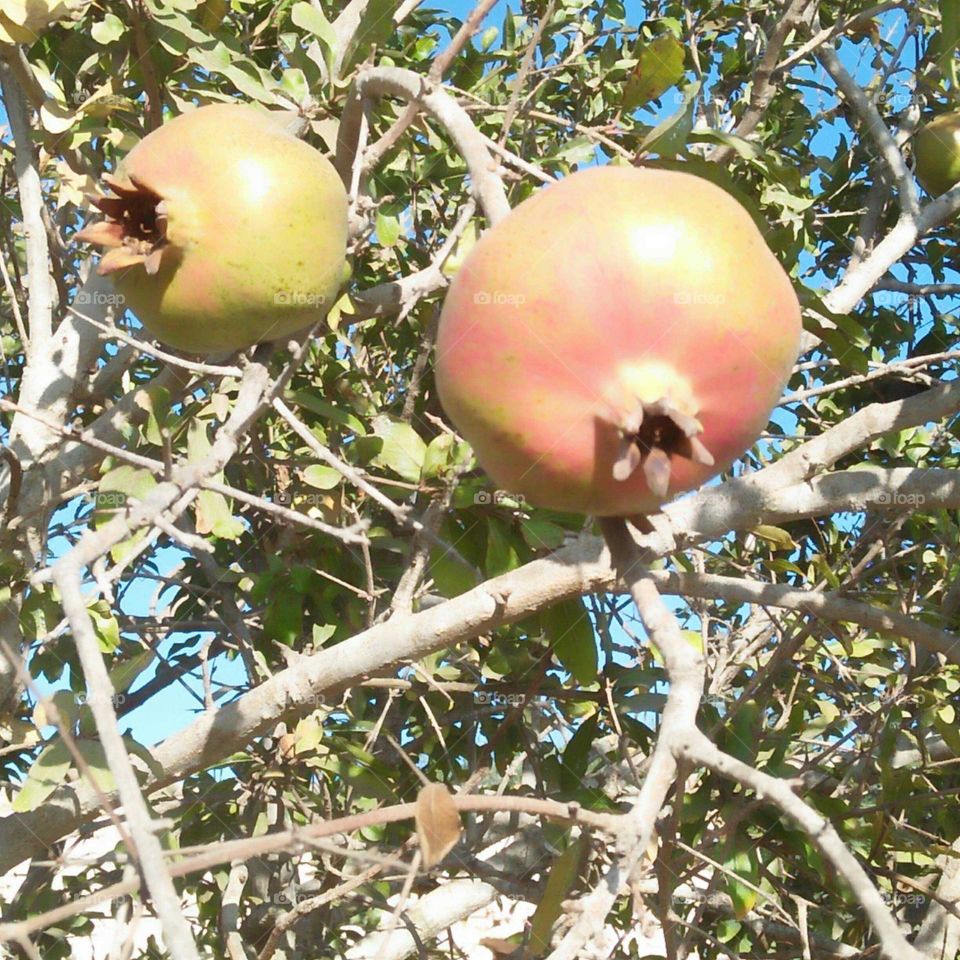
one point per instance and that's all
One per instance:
(224, 230)
(620, 337)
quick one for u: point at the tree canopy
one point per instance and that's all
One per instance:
(258, 608)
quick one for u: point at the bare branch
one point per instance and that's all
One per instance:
(894, 944)
(31, 205)
(762, 89)
(779, 491)
(865, 109)
(485, 184)
(828, 606)
(429, 917)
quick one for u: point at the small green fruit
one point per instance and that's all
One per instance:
(937, 150)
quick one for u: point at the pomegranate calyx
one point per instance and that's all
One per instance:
(135, 228)
(649, 435)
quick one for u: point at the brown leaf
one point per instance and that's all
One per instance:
(502, 948)
(438, 823)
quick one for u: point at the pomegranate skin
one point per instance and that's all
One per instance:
(615, 289)
(246, 224)
(936, 148)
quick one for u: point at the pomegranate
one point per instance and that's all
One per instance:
(936, 148)
(619, 337)
(223, 230)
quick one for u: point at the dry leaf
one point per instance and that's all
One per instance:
(501, 948)
(438, 823)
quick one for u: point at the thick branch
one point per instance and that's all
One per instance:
(574, 570)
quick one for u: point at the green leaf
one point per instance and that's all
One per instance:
(743, 736)
(283, 620)
(310, 18)
(123, 675)
(576, 151)
(110, 28)
(214, 514)
(388, 229)
(659, 67)
(669, 136)
(570, 631)
(744, 864)
(376, 25)
(542, 534)
(488, 38)
(326, 410)
(403, 450)
(177, 35)
(501, 554)
(441, 453)
(563, 875)
(451, 576)
(48, 772)
(576, 756)
(115, 490)
(95, 758)
(119, 486)
(105, 626)
(156, 402)
(746, 149)
(295, 83)
(321, 477)
(945, 45)
(777, 536)
(39, 614)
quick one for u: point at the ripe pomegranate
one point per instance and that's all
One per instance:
(224, 230)
(936, 148)
(621, 336)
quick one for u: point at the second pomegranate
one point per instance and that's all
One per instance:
(620, 337)
(223, 229)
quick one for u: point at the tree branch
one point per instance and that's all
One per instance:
(486, 186)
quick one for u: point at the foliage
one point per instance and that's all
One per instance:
(565, 703)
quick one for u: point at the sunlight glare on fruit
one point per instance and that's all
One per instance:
(255, 177)
(656, 243)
